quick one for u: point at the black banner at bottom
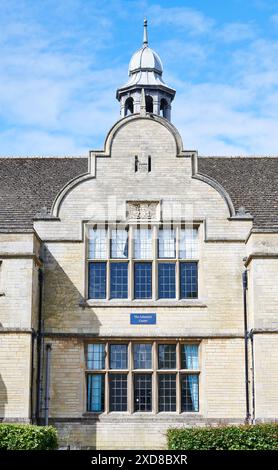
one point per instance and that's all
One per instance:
(117, 459)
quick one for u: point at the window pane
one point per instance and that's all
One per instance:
(95, 392)
(142, 392)
(97, 280)
(189, 392)
(119, 280)
(166, 356)
(189, 356)
(188, 243)
(142, 280)
(142, 354)
(117, 392)
(118, 356)
(119, 243)
(188, 280)
(167, 392)
(166, 243)
(95, 356)
(97, 243)
(143, 244)
(167, 280)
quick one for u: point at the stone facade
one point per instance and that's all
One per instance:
(57, 245)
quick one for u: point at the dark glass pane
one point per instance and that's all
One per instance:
(189, 356)
(142, 354)
(118, 280)
(97, 280)
(118, 356)
(142, 392)
(188, 280)
(189, 392)
(142, 280)
(167, 392)
(166, 356)
(117, 392)
(95, 356)
(167, 280)
(95, 392)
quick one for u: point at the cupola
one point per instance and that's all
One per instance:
(145, 73)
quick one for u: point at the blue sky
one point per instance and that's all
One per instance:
(62, 61)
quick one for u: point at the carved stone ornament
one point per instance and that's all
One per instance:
(142, 210)
(242, 212)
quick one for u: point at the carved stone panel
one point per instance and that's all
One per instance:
(143, 210)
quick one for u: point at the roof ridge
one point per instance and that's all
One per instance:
(40, 157)
(246, 157)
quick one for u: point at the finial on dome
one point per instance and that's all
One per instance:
(145, 35)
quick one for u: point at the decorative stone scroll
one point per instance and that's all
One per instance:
(143, 210)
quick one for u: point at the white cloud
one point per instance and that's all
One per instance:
(184, 18)
(58, 80)
(216, 120)
(236, 32)
(18, 142)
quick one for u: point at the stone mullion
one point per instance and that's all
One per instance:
(154, 264)
(108, 263)
(178, 388)
(106, 397)
(130, 262)
(130, 405)
(177, 263)
(155, 378)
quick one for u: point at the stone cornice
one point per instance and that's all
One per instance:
(260, 255)
(15, 330)
(26, 255)
(84, 335)
(264, 230)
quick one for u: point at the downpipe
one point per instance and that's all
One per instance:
(47, 382)
(33, 338)
(246, 336)
(251, 336)
(39, 349)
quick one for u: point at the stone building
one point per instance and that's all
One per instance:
(138, 286)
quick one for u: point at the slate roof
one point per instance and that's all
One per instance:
(251, 182)
(29, 184)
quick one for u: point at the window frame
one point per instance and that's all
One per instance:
(155, 260)
(131, 372)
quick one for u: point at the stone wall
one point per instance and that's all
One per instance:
(19, 254)
(15, 355)
(222, 399)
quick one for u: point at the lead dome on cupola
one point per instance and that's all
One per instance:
(145, 73)
(145, 59)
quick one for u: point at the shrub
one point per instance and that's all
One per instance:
(257, 437)
(27, 437)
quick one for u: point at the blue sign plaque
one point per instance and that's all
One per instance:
(143, 318)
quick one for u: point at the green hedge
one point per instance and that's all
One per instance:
(27, 437)
(257, 437)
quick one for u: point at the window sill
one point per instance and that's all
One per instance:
(144, 303)
(141, 414)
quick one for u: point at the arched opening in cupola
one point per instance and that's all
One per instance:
(129, 107)
(163, 107)
(149, 104)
